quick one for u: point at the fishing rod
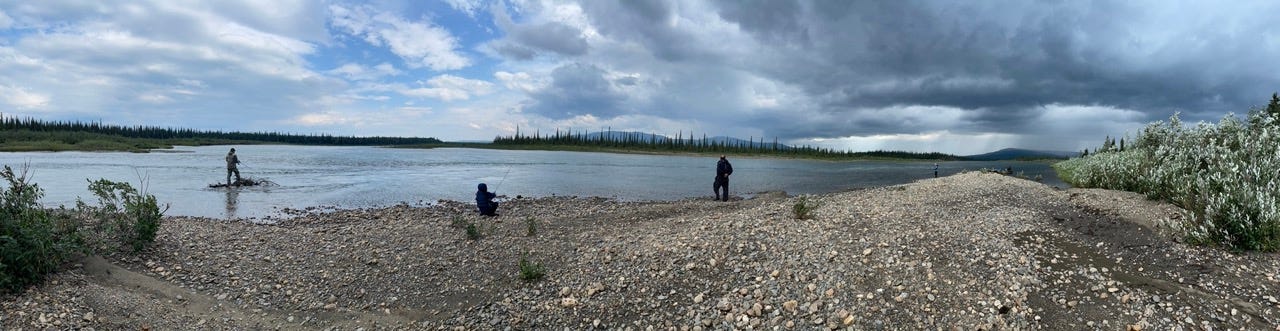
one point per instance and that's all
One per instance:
(504, 179)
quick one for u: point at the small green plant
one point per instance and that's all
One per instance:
(531, 270)
(473, 232)
(457, 222)
(803, 209)
(531, 226)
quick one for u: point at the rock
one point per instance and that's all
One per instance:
(866, 252)
(698, 298)
(724, 305)
(790, 305)
(690, 266)
(568, 302)
(1134, 327)
(848, 320)
(565, 291)
(88, 317)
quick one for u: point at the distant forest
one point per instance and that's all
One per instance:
(690, 143)
(70, 131)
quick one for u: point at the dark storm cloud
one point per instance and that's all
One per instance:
(1052, 73)
(1004, 61)
(578, 89)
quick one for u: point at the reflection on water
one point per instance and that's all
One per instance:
(233, 197)
(356, 177)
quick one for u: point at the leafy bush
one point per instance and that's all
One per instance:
(531, 270)
(32, 242)
(803, 209)
(1224, 175)
(123, 216)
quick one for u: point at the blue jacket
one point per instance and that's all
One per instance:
(484, 198)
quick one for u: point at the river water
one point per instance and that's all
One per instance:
(357, 177)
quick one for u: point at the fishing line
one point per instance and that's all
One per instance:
(504, 179)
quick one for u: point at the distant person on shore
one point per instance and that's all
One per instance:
(723, 170)
(484, 201)
(232, 160)
(935, 170)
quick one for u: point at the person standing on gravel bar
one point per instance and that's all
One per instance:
(935, 170)
(232, 160)
(723, 170)
(484, 201)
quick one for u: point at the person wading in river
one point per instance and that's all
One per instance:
(723, 170)
(232, 160)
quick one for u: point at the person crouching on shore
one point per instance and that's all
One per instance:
(484, 201)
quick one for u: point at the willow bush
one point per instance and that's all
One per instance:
(35, 241)
(1226, 175)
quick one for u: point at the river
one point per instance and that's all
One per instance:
(357, 177)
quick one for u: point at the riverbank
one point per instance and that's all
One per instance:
(972, 250)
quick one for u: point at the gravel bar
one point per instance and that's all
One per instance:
(964, 252)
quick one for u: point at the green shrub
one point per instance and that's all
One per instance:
(531, 270)
(473, 232)
(531, 226)
(32, 242)
(803, 209)
(1224, 175)
(123, 216)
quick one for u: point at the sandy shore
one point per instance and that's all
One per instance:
(973, 251)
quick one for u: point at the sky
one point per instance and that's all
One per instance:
(959, 77)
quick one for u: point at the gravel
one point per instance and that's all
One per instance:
(973, 250)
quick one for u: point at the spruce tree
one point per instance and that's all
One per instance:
(1273, 108)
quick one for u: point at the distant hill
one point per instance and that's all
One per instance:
(1020, 154)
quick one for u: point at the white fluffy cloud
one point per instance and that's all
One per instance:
(449, 88)
(419, 43)
(22, 98)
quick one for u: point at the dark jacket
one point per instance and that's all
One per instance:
(723, 169)
(484, 198)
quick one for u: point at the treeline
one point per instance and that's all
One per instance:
(691, 143)
(163, 133)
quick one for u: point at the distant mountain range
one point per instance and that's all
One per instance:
(1020, 154)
